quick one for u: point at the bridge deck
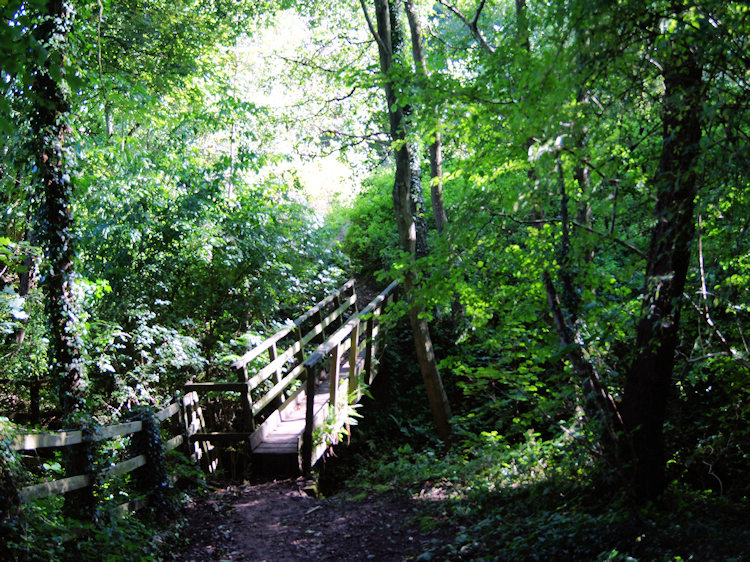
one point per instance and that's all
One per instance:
(293, 430)
(281, 433)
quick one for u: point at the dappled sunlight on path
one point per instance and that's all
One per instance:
(279, 521)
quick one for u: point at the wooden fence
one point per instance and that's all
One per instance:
(358, 337)
(333, 324)
(60, 439)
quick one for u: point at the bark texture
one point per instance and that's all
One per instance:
(649, 378)
(405, 197)
(436, 147)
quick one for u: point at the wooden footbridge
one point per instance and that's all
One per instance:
(295, 389)
(295, 392)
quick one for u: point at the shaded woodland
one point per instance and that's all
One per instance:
(561, 190)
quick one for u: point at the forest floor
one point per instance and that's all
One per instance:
(279, 521)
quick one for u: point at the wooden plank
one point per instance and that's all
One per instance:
(278, 388)
(296, 323)
(264, 429)
(322, 304)
(258, 350)
(124, 467)
(277, 449)
(219, 436)
(353, 352)
(194, 423)
(273, 366)
(319, 328)
(246, 402)
(66, 438)
(29, 441)
(336, 339)
(273, 352)
(306, 461)
(168, 412)
(383, 298)
(109, 431)
(61, 486)
(369, 348)
(175, 442)
(333, 382)
(216, 387)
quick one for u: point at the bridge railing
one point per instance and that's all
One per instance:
(267, 387)
(357, 337)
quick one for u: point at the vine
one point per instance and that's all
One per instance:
(154, 477)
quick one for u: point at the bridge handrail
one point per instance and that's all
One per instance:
(334, 346)
(296, 323)
(287, 350)
(345, 331)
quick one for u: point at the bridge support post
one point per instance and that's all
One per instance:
(334, 380)
(370, 345)
(307, 436)
(272, 355)
(246, 401)
(354, 376)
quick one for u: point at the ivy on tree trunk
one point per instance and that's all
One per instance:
(406, 196)
(49, 128)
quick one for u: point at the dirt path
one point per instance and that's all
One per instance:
(277, 521)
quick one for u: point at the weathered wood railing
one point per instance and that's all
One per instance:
(60, 439)
(269, 387)
(289, 360)
(358, 337)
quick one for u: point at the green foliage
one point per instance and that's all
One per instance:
(338, 422)
(371, 239)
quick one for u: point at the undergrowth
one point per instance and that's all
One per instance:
(526, 502)
(526, 496)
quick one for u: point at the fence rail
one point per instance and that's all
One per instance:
(333, 324)
(59, 439)
(357, 336)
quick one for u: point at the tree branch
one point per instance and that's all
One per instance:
(472, 25)
(374, 33)
(729, 350)
(608, 236)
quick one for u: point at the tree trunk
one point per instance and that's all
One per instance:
(648, 380)
(436, 147)
(56, 217)
(388, 37)
(48, 123)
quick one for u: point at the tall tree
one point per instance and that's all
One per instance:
(649, 378)
(406, 182)
(436, 146)
(48, 133)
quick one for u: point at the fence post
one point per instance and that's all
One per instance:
(370, 344)
(354, 384)
(246, 402)
(321, 337)
(273, 353)
(337, 303)
(333, 388)
(153, 478)
(79, 460)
